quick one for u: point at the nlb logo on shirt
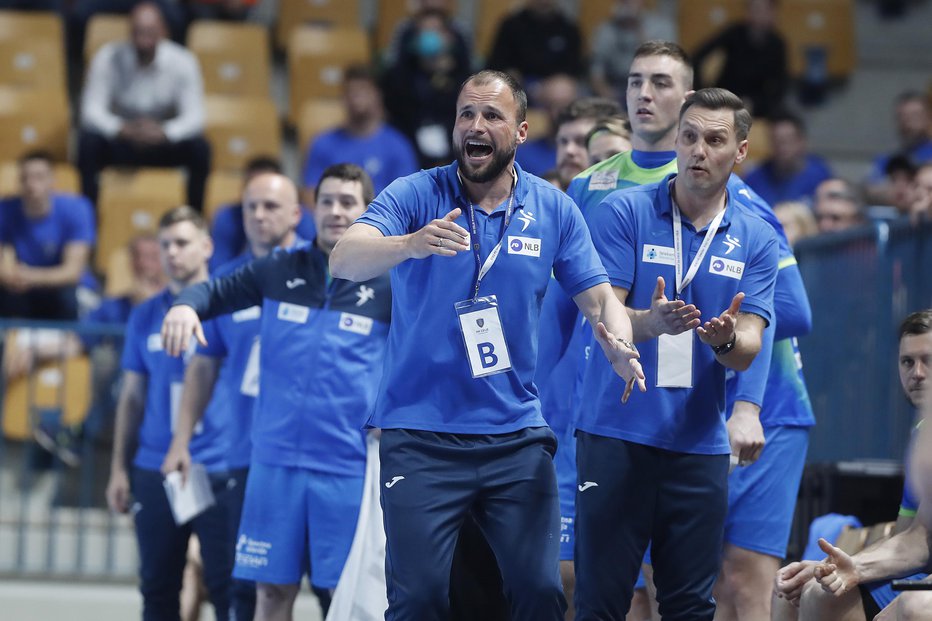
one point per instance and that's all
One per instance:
(726, 267)
(658, 254)
(357, 324)
(527, 246)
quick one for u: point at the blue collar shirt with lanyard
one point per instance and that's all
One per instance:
(427, 382)
(633, 231)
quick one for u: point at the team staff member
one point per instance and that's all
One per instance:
(473, 245)
(224, 375)
(663, 477)
(145, 420)
(323, 341)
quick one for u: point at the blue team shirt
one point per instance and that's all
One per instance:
(537, 157)
(676, 419)
(427, 383)
(229, 236)
(143, 354)
(798, 187)
(920, 154)
(386, 155)
(40, 242)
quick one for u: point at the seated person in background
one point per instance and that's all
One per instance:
(572, 127)
(797, 220)
(406, 31)
(901, 177)
(791, 173)
(553, 94)
(857, 587)
(365, 139)
(755, 59)
(921, 207)
(608, 137)
(837, 206)
(143, 105)
(227, 230)
(537, 41)
(45, 244)
(914, 126)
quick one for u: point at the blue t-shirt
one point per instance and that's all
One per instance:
(920, 154)
(386, 155)
(633, 232)
(143, 354)
(798, 187)
(40, 242)
(229, 236)
(427, 383)
(537, 157)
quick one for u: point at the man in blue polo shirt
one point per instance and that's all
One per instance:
(224, 375)
(473, 246)
(659, 473)
(322, 346)
(147, 412)
(45, 244)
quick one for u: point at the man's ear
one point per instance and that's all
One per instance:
(521, 134)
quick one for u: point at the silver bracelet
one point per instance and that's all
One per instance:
(627, 344)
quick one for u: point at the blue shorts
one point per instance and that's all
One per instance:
(295, 521)
(883, 592)
(762, 496)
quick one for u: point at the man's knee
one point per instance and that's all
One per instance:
(274, 596)
(914, 607)
(817, 604)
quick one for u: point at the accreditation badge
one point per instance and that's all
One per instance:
(483, 335)
(675, 360)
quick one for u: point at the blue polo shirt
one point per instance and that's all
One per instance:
(40, 242)
(427, 383)
(143, 354)
(797, 187)
(537, 157)
(633, 231)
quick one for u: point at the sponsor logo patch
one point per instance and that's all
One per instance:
(726, 267)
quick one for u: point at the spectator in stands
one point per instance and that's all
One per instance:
(608, 137)
(45, 244)
(857, 588)
(921, 208)
(797, 220)
(537, 41)
(420, 86)
(145, 417)
(143, 105)
(554, 94)
(227, 230)
(407, 31)
(755, 64)
(901, 179)
(616, 40)
(365, 139)
(791, 173)
(837, 206)
(914, 126)
(572, 126)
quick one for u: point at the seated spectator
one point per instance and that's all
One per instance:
(791, 173)
(615, 41)
(921, 208)
(797, 220)
(365, 139)
(143, 105)
(81, 12)
(914, 126)
(901, 176)
(755, 65)
(572, 127)
(45, 244)
(407, 30)
(608, 137)
(537, 41)
(837, 207)
(422, 84)
(227, 231)
(553, 94)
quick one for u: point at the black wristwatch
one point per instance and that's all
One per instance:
(721, 350)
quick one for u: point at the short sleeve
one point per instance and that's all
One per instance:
(393, 210)
(81, 225)
(613, 234)
(760, 276)
(577, 266)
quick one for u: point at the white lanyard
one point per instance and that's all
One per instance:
(681, 281)
(474, 233)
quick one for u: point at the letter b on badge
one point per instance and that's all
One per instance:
(487, 355)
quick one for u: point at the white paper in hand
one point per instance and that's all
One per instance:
(191, 499)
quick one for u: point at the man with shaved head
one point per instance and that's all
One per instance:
(143, 105)
(314, 379)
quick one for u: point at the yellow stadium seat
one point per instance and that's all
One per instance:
(758, 145)
(294, 13)
(591, 14)
(234, 58)
(490, 14)
(240, 128)
(66, 178)
(102, 29)
(32, 63)
(318, 115)
(31, 25)
(698, 21)
(131, 201)
(223, 188)
(538, 123)
(390, 14)
(826, 25)
(317, 58)
(33, 119)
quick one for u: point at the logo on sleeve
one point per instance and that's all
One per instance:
(357, 324)
(364, 295)
(526, 246)
(726, 267)
(293, 312)
(526, 217)
(603, 180)
(658, 254)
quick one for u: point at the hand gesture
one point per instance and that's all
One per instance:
(180, 323)
(177, 459)
(441, 236)
(624, 360)
(791, 580)
(745, 433)
(720, 330)
(671, 316)
(118, 491)
(837, 574)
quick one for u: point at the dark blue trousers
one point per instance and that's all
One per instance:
(631, 494)
(431, 481)
(163, 545)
